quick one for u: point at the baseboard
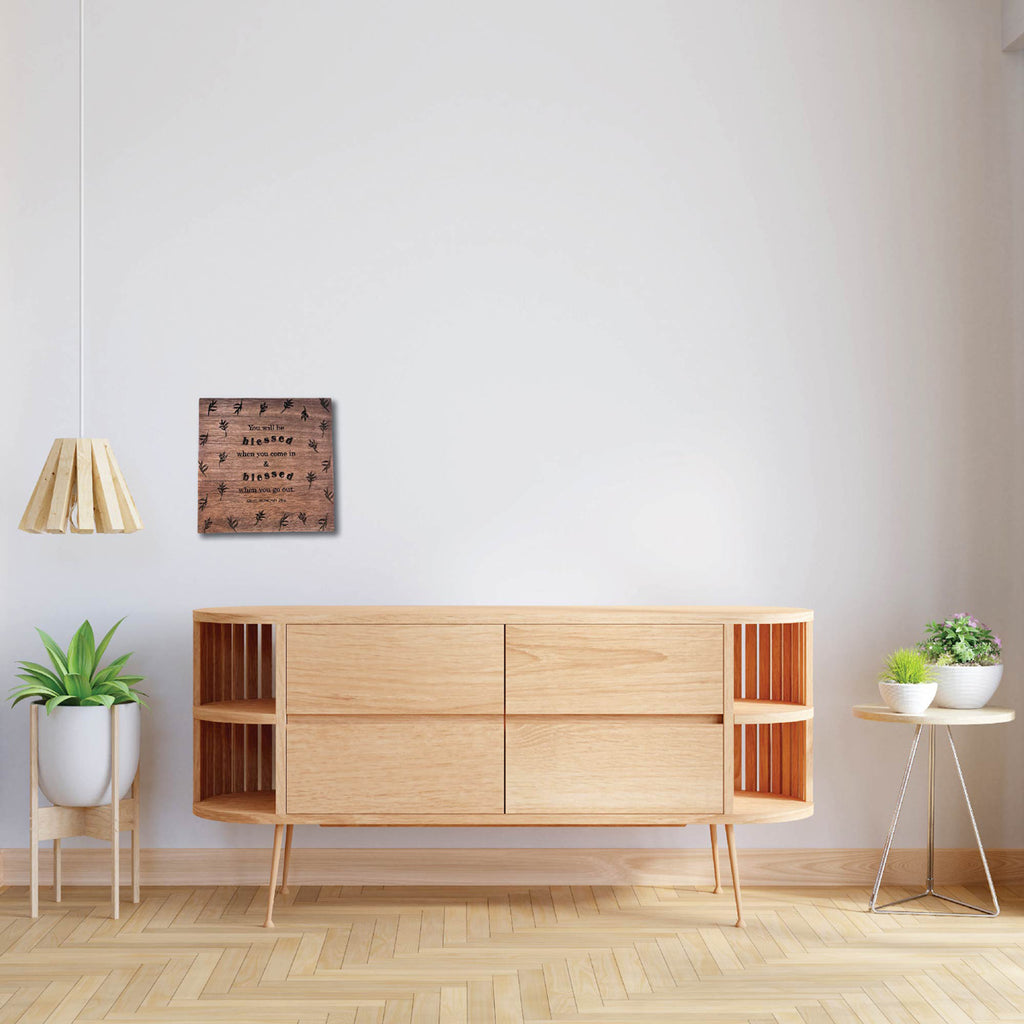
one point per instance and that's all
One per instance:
(518, 867)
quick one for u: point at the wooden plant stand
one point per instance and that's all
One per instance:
(106, 821)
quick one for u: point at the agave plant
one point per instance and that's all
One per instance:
(76, 678)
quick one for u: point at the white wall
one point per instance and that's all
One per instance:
(1013, 24)
(704, 302)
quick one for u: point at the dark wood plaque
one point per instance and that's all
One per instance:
(266, 465)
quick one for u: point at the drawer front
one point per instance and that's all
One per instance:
(437, 764)
(613, 765)
(385, 669)
(615, 670)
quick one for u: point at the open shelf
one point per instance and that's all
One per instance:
(248, 711)
(772, 715)
(769, 807)
(769, 712)
(234, 712)
(251, 808)
(234, 757)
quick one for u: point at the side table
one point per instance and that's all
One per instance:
(106, 821)
(933, 718)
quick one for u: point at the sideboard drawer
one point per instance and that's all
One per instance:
(392, 764)
(627, 669)
(389, 669)
(608, 764)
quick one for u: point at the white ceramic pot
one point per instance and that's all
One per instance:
(966, 686)
(74, 753)
(907, 698)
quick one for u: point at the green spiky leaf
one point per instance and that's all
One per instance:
(77, 685)
(86, 650)
(111, 671)
(25, 694)
(99, 698)
(32, 684)
(54, 685)
(114, 688)
(56, 654)
(37, 669)
(61, 698)
(106, 640)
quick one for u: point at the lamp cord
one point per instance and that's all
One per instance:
(81, 218)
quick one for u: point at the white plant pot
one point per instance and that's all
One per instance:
(907, 698)
(74, 753)
(966, 686)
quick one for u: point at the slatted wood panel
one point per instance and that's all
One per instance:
(737, 668)
(775, 692)
(251, 736)
(234, 663)
(771, 663)
(503, 955)
(267, 690)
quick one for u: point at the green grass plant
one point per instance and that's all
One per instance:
(906, 665)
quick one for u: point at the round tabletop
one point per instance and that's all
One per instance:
(937, 716)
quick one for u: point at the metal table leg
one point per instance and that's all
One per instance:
(929, 889)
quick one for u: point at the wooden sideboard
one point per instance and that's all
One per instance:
(357, 715)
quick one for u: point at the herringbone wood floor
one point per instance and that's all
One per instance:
(616, 954)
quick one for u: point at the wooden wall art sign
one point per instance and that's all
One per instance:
(266, 465)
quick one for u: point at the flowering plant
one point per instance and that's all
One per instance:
(961, 640)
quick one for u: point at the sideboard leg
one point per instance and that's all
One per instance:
(714, 858)
(56, 871)
(734, 866)
(287, 857)
(274, 864)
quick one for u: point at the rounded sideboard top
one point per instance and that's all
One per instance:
(484, 614)
(937, 716)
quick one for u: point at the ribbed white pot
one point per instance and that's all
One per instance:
(74, 753)
(966, 686)
(907, 698)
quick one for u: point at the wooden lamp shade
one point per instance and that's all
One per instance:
(81, 474)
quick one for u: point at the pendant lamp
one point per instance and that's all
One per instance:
(81, 484)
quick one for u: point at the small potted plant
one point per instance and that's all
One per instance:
(75, 732)
(966, 657)
(906, 682)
